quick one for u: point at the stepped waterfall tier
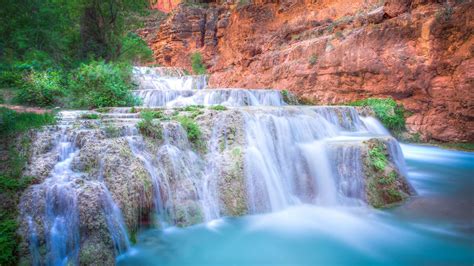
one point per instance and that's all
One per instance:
(202, 155)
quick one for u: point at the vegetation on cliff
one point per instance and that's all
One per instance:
(14, 148)
(197, 64)
(384, 184)
(387, 111)
(70, 53)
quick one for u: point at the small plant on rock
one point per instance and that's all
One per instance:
(377, 157)
(197, 64)
(147, 126)
(218, 108)
(387, 111)
(90, 116)
(313, 59)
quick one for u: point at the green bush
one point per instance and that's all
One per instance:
(100, 84)
(12, 122)
(387, 111)
(8, 238)
(147, 127)
(41, 88)
(197, 64)
(192, 128)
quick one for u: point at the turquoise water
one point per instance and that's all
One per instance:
(433, 228)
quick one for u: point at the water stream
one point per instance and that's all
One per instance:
(435, 227)
(294, 174)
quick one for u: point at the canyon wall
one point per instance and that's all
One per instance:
(420, 52)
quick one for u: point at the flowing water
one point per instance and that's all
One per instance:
(303, 178)
(304, 171)
(433, 228)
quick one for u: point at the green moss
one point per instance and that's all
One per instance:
(103, 109)
(313, 59)
(377, 157)
(387, 111)
(12, 183)
(192, 108)
(197, 64)
(187, 214)
(383, 184)
(192, 128)
(218, 108)
(150, 114)
(90, 116)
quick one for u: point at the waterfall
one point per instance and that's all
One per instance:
(261, 155)
(165, 87)
(61, 221)
(289, 157)
(60, 190)
(113, 216)
(115, 222)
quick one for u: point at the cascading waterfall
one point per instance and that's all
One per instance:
(262, 153)
(61, 219)
(176, 89)
(61, 216)
(288, 159)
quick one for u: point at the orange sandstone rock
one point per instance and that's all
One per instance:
(420, 52)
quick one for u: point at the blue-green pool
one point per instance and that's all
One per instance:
(433, 228)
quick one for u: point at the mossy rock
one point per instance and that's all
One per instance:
(385, 185)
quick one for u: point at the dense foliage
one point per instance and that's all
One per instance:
(46, 46)
(387, 111)
(99, 84)
(12, 122)
(41, 88)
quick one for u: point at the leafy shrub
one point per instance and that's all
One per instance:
(192, 128)
(10, 78)
(387, 111)
(100, 84)
(147, 127)
(8, 238)
(197, 64)
(12, 122)
(41, 88)
(218, 108)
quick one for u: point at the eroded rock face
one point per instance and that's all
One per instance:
(418, 52)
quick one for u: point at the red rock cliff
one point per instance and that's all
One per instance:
(420, 52)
